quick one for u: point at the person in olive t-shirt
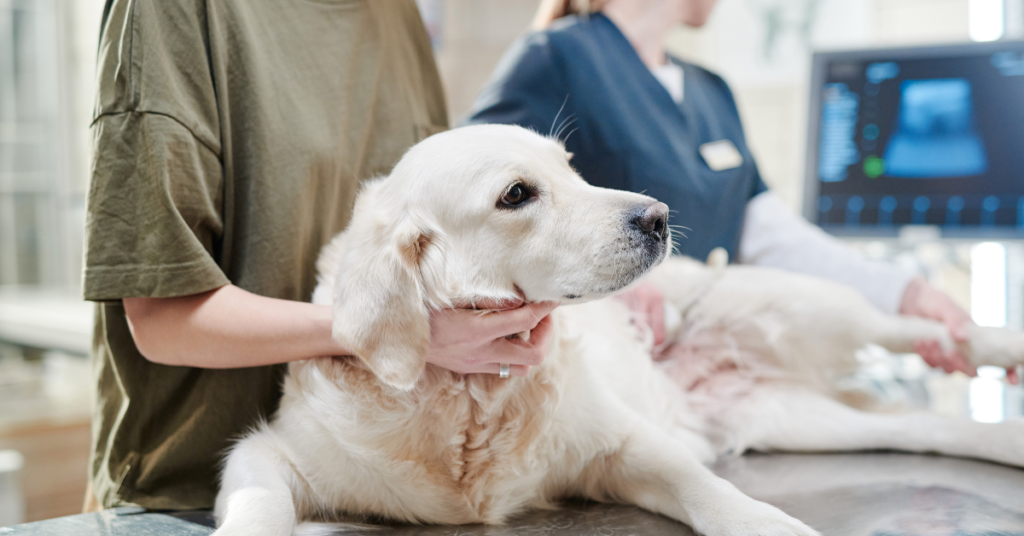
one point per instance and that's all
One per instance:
(230, 141)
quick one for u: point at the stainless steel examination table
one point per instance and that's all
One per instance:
(871, 494)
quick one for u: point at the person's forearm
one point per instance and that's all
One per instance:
(774, 236)
(229, 328)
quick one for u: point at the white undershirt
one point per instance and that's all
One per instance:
(773, 236)
(671, 77)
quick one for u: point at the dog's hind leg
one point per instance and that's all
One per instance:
(656, 473)
(783, 418)
(255, 498)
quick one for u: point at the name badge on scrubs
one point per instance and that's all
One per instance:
(721, 155)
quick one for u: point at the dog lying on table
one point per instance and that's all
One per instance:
(497, 212)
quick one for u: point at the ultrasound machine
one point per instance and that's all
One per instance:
(929, 136)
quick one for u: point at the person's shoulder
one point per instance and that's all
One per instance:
(698, 73)
(153, 22)
(157, 11)
(566, 36)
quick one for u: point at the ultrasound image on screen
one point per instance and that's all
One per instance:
(929, 140)
(935, 135)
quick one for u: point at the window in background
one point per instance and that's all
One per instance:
(986, 19)
(41, 182)
(47, 60)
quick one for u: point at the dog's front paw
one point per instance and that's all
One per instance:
(752, 518)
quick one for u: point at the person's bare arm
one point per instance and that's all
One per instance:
(231, 328)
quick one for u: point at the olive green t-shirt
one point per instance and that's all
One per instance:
(230, 139)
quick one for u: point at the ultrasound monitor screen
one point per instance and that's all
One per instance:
(930, 136)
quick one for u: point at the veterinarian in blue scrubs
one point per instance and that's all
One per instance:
(596, 75)
(583, 80)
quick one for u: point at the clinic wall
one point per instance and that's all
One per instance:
(475, 34)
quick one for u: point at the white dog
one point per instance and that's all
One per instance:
(497, 212)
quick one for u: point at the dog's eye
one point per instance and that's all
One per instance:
(515, 196)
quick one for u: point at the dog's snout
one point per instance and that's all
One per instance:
(652, 220)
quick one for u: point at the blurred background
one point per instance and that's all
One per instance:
(761, 47)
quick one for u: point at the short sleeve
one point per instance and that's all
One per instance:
(527, 88)
(155, 202)
(154, 210)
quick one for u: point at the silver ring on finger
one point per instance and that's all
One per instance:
(504, 370)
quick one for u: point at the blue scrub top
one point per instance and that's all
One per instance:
(627, 132)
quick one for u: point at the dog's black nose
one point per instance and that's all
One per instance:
(652, 220)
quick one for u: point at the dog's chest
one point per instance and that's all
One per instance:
(471, 449)
(493, 441)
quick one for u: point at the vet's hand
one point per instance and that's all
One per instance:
(648, 306)
(470, 341)
(922, 299)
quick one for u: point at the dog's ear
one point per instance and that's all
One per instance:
(379, 309)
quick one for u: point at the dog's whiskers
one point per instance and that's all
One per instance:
(569, 134)
(569, 120)
(555, 120)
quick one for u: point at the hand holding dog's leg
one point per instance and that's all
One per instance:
(255, 498)
(655, 473)
(920, 299)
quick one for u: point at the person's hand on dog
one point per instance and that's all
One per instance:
(468, 340)
(648, 306)
(922, 299)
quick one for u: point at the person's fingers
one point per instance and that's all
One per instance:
(491, 304)
(641, 320)
(504, 323)
(541, 334)
(924, 349)
(958, 330)
(1012, 376)
(532, 352)
(959, 362)
(656, 319)
(514, 370)
(517, 351)
(932, 354)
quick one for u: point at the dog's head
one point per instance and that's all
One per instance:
(488, 211)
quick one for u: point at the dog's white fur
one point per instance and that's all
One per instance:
(752, 365)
